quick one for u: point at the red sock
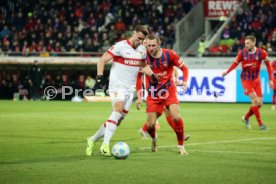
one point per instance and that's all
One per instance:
(179, 131)
(257, 114)
(249, 113)
(152, 131)
(145, 127)
(170, 121)
(274, 100)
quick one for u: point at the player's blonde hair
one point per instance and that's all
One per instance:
(153, 37)
(251, 37)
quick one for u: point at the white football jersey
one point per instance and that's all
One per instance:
(126, 63)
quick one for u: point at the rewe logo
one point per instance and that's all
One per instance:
(222, 5)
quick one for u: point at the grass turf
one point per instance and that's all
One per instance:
(44, 142)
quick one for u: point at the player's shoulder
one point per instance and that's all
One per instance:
(142, 48)
(242, 51)
(121, 43)
(169, 51)
(261, 50)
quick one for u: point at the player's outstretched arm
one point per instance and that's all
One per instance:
(269, 71)
(232, 67)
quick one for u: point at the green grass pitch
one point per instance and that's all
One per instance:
(44, 142)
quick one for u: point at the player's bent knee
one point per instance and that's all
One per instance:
(176, 117)
(150, 124)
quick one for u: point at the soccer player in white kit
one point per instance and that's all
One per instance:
(128, 57)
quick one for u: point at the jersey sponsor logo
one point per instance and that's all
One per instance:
(161, 74)
(249, 65)
(132, 62)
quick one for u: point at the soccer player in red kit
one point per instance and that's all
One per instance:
(274, 86)
(162, 62)
(140, 82)
(251, 58)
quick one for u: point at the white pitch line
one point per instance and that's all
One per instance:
(233, 152)
(215, 142)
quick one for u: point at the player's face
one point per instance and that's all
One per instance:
(137, 38)
(153, 47)
(249, 44)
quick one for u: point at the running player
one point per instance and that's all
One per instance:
(162, 62)
(128, 57)
(251, 58)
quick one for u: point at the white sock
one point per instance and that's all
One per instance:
(111, 126)
(99, 134)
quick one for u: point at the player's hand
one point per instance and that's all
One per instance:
(224, 74)
(139, 103)
(154, 80)
(185, 85)
(270, 83)
(178, 83)
(99, 82)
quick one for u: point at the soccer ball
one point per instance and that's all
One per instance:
(120, 150)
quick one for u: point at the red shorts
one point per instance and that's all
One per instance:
(157, 104)
(274, 84)
(252, 86)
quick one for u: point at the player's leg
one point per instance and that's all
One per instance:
(248, 89)
(256, 99)
(111, 126)
(171, 122)
(151, 120)
(179, 127)
(126, 107)
(143, 131)
(273, 100)
(91, 140)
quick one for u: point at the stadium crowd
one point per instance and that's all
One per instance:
(55, 27)
(256, 18)
(83, 25)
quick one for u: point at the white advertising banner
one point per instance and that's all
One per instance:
(207, 85)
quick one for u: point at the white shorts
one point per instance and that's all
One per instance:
(120, 94)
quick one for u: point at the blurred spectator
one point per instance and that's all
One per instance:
(201, 46)
(35, 80)
(89, 82)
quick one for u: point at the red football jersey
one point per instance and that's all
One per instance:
(162, 67)
(251, 63)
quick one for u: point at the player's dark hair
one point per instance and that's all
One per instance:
(153, 37)
(251, 37)
(143, 29)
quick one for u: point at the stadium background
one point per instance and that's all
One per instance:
(44, 141)
(68, 37)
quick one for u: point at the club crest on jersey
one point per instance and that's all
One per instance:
(165, 64)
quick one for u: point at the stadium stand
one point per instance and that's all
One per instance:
(256, 18)
(55, 28)
(91, 26)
